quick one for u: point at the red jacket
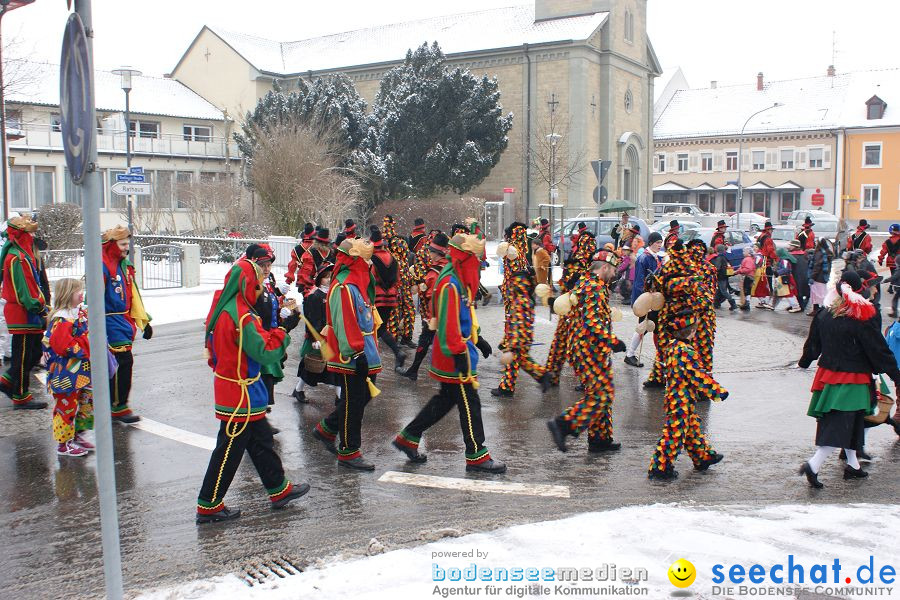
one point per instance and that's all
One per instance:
(308, 267)
(861, 240)
(387, 276)
(807, 238)
(454, 330)
(426, 295)
(889, 250)
(297, 255)
(25, 302)
(767, 247)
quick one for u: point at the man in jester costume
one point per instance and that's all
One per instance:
(704, 304)
(592, 347)
(518, 299)
(454, 358)
(125, 315)
(435, 261)
(687, 383)
(298, 253)
(574, 268)
(238, 347)
(402, 320)
(25, 310)
(353, 322)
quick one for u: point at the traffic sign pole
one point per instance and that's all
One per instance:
(78, 87)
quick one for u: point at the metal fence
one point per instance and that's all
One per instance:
(161, 267)
(223, 249)
(63, 263)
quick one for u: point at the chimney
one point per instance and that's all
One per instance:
(713, 84)
(759, 81)
(830, 71)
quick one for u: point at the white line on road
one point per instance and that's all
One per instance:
(173, 433)
(476, 485)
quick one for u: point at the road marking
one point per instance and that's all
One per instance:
(173, 433)
(476, 485)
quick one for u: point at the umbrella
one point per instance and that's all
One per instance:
(616, 206)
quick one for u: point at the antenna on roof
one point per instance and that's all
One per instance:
(833, 51)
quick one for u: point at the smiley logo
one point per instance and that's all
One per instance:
(682, 573)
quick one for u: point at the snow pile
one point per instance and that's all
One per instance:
(639, 537)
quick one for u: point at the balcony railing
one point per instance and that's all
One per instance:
(43, 136)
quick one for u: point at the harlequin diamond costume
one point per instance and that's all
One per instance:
(574, 268)
(299, 253)
(386, 274)
(518, 298)
(353, 321)
(454, 359)
(25, 309)
(592, 346)
(850, 350)
(238, 347)
(403, 318)
(704, 304)
(436, 257)
(687, 382)
(125, 315)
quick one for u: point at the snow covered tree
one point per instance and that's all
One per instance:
(433, 129)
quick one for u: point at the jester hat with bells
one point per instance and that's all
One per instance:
(465, 250)
(19, 232)
(351, 265)
(240, 292)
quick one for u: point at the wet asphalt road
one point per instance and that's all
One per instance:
(49, 523)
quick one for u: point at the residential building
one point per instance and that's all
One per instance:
(580, 69)
(181, 140)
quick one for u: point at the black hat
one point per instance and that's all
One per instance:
(807, 221)
(635, 228)
(768, 225)
(324, 269)
(673, 223)
(456, 227)
(308, 230)
(582, 225)
(388, 218)
(375, 236)
(654, 237)
(349, 223)
(419, 221)
(439, 243)
(721, 223)
(340, 237)
(863, 223)
(852, 279)
(323, 235)
(545, 222)
(254, 251)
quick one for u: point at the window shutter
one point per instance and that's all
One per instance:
(655, 163)
(671, 162)
(800, 159)
(826, 158)
(771, 159)
(746, 157)
(717, 160)
(693, 160)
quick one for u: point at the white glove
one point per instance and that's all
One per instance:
(316, 345)
(284, 288)
(285, 313)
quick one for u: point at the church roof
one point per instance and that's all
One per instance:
(468, 32)
(808, 104)
(149, 95)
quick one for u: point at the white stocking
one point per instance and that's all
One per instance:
(633, 346)
(852, 460)
(819, 457)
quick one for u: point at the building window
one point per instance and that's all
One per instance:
(43, 187)
(197, 133)
(629, 26)
(815, 157)
(115, 200)
(14, 119)
(872, 154)
(162, 191)
(706, 202)
(875, 108)
(730, 202)
(790, 201)
(731, 161)
(706, 162)
(661, 163)
(18, 188)
(871, 197)
(144, 129)
(682, 163)
(759, 160)
(183, 181)
(629, 101)
(758, 203)
(787, 159)
(55, 122)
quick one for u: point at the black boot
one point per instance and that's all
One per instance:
(358, 463)
(602, 445)
(667, 475)
(413, 455)
(546, 383)
(851, 473)
(706, 463)
(811, 477)
(412, 372)
(300, 396)
(489, 466)
(329, 444)
(653, 384)
(299, 490)
(633, 361)
(559, 429)
(501, 393)
(409, 343)
(226, 514)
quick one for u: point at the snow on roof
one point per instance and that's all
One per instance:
(149, 95)
(759, 185)
(789, 185)
(809, 104)
(702, 187)
(481, 30)
(670, 186)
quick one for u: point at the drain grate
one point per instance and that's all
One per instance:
(257, 572)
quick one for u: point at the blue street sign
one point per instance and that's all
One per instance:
(76, 99)
(135, 170)
(130, 178)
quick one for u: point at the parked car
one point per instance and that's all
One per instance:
(662, 227)
(666, 211)
(737, 240)
(748, 221)
(601, 227)
(798, 216)
(783, 234)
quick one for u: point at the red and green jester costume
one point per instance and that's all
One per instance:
(25, 309)
(352, 323)
(591, 346)
(238, 346)
(454, 358)
(687, 382)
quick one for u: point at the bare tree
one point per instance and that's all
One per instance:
(214, 204)
(555, 161)
(19, 73)
(297, 175)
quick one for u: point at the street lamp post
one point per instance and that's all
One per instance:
(126, 73)
(737, 224)
(553, 139)
(5, 7)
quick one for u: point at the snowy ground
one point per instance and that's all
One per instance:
(648, 537)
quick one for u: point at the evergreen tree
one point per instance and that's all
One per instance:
(433, 129)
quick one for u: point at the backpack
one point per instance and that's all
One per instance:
(826, 267)
(892, 335)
